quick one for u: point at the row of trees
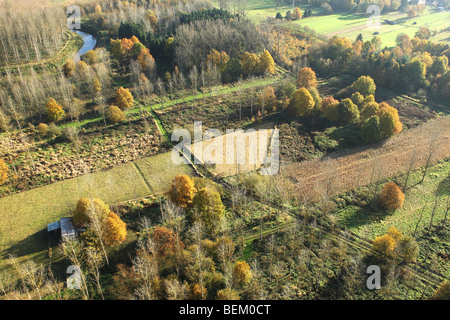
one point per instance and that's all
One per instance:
(412, 65)
(28, 35)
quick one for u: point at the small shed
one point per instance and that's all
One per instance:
(66, 227)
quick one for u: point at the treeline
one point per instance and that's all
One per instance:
(209, 14)
(191, 43)
(412, 65)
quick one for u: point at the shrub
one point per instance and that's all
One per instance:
(70, 134)
(392, 197)
(53, 130)
(42, 128)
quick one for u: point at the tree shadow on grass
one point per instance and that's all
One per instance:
(443, 188)
(360, 216)
(37, 242)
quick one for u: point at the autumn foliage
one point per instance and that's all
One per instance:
(54, 111)
(115, 230)
(115, 114)
(182, 191)
(3, 171)
(242, 273)
(86, 208)
(301, 103)
(306, 78)
(124, 98)
(392, 197)
(165, 240)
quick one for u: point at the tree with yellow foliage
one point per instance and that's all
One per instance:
(153, 19)
(54, 111)
(86, 208)
(306, 78)
(249, 62)
(198, 292)
(392, 197)
(115, 230)
(301, 104)
(228, 294)
(266, 63)
(386, 108)
(182, 191)
(208, 208)
(330, 109)
(69, 68)
(384, 245)
(124, 98)
(218, 59)
(115, 114)
(4, 169)
(242, 273)
(394, 245)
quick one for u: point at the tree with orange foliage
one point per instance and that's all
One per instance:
(392, 197)
(306, 78)
(124, 98)
(296, 14)
(146, 60)
(182, 191)
(198, 292)
(115, 230)
(165, 240)
(4, 169)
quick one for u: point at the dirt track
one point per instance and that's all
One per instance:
(343, 171)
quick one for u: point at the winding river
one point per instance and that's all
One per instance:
(89, 43)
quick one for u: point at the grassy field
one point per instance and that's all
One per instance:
(351, 25)
(417, 209)
(24, 216)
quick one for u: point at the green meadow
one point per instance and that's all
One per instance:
(351, 25)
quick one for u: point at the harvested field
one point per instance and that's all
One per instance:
(347, 170)
(223, 151)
